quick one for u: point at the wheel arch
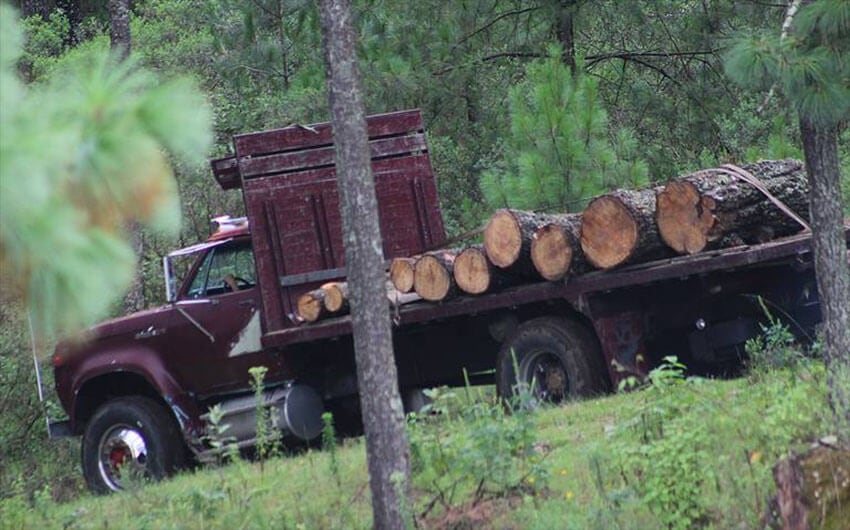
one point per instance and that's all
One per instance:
(104, 387)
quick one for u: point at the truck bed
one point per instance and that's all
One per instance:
(795, 248)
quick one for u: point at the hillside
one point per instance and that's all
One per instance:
(680, 453)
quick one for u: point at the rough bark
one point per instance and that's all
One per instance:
(813, 490)
(119, 27)
(697, 211)
(830, 259)
(566, 11)
(387, 450)
(619, 228)
(401, 273)
(120, 44)
(433, 276)
(555, 247)
(507, 240)
(474, 274)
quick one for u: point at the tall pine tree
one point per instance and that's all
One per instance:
(560, 151)
(811, 66)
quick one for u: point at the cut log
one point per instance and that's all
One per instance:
(310, 306)
(401, 274)
(507, 240)
(555, 248)
(433, 275)
(619, 228)
(697, 211)
(474, 274)
(336, 296)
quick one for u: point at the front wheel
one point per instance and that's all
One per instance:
(129, 438)
(554, 358)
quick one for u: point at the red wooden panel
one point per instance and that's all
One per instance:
(292, 203)
(319, 134)
(226, 172)
(291, 161)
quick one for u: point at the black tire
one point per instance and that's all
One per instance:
(559, 359)
(130, 436)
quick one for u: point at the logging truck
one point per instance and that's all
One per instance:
(268, 290)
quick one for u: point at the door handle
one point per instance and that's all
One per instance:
(149, 332)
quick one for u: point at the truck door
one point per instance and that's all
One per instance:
(216, 325)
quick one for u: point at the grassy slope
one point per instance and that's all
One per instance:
(607, 463)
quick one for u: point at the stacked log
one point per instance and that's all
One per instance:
(555, 249)
(507, 240)
(474, 274)
(619, 228)
(401, 274)
(698, 211)
(433, 275)
(714, 208)
(330, 298)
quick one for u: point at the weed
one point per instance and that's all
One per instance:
(267, 436)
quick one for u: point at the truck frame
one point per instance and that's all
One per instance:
(140, 389)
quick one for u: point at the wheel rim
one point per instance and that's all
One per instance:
(122, 454)
(545, 376)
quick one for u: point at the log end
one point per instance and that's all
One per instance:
(609, 234)
(401, 274)
(431, 279)
(503, 239)
(471, 271)
(551, 252)
(309, 307)
(334, 297)
(684, 218)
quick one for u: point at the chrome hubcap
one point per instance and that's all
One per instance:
(122, 455)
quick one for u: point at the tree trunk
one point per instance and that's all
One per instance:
(830, 258)
(555, 247)
(697, 211)
(433, 276)
(566, 11)
(119, 27)
(474, 274)
(120, 44)
(383, 421)
(401, 274)
(619, 228)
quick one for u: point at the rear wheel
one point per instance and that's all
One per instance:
(129, 439)
(555, 358)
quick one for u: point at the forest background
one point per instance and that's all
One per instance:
(604, 93)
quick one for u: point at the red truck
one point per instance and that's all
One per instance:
(139, 389)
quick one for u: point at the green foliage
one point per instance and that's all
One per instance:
(559, 153)
(810, 65)
(267, 435)
(91, 142)
(464, 450)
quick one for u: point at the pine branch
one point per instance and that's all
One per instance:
(489, 24)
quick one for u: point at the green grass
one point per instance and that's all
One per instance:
(682, 453)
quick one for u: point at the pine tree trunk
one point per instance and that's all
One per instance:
(699, 210)
(619, 228)
(830, 259)
(119, 27)
(383, 421)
